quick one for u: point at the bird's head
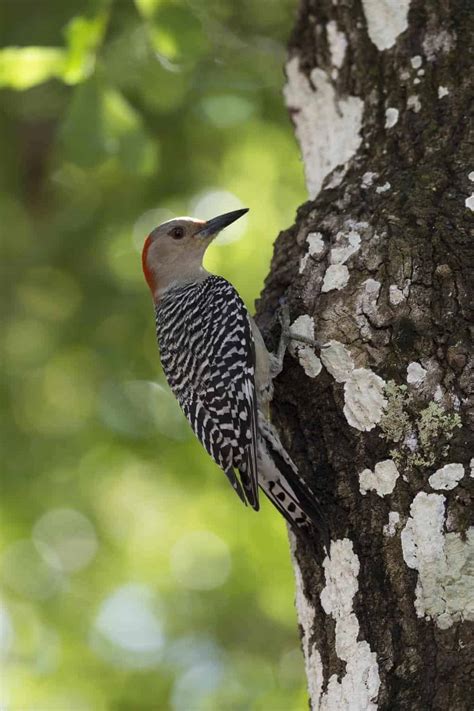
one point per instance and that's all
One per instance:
(173, 252)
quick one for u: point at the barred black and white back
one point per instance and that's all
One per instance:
(207, 354)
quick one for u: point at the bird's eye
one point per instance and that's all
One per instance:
(177, 233)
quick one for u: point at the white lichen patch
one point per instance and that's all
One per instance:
(337, 44)
(414, 103)
(372, 286)
(315, 244)
(386, 19)
(448, 477)
(437, 42)
(358, 688)
(445, 563)
(383, 188)
(390, 528)
(327, 127)
(410, 441)
(391, 117)
(303, 262)
(471, 467)
(346, 244)
(364, 399)
(337, 360)
(416, 61)
(336, 177)
(395, 295)
(367, 179)
(335, 277)
(469, 202)
(304, 326)
(442, 91)
(471, 176)
(306, 615)
(382, 480)
(415, 373)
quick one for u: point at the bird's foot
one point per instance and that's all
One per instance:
(288, 335)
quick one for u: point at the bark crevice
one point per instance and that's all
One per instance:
(401, 299)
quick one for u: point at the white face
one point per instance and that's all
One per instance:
(172, 248)
(173, 252)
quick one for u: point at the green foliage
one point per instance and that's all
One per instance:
(131, 576)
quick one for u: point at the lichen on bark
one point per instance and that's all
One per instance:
(419, 436)
(378, 259)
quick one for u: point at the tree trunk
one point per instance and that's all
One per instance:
(377, 265)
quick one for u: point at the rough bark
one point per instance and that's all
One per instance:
(378, 263)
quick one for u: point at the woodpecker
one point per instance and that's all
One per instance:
(218, 367)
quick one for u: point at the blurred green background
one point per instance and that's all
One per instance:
(131, 576)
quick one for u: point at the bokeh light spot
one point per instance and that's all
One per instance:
(49, 293)
(146, 223)
(6, 632)
(141, 408)
(62, 392)
(127, 630)
(27, 573)
(27, 341)
(215, 202)
(201, 561)
(122, 260)
(227, 109)
(66, 539)
(192, 687)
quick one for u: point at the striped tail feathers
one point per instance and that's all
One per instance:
(236, 485)
(290, 494)
(248, 487)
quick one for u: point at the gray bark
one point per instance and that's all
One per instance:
(379, 262)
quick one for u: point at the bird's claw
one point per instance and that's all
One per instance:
(288, 334)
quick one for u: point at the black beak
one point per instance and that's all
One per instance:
(212, 227)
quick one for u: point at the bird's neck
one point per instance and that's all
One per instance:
(180, 278)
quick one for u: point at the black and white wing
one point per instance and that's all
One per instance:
(207, 353)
